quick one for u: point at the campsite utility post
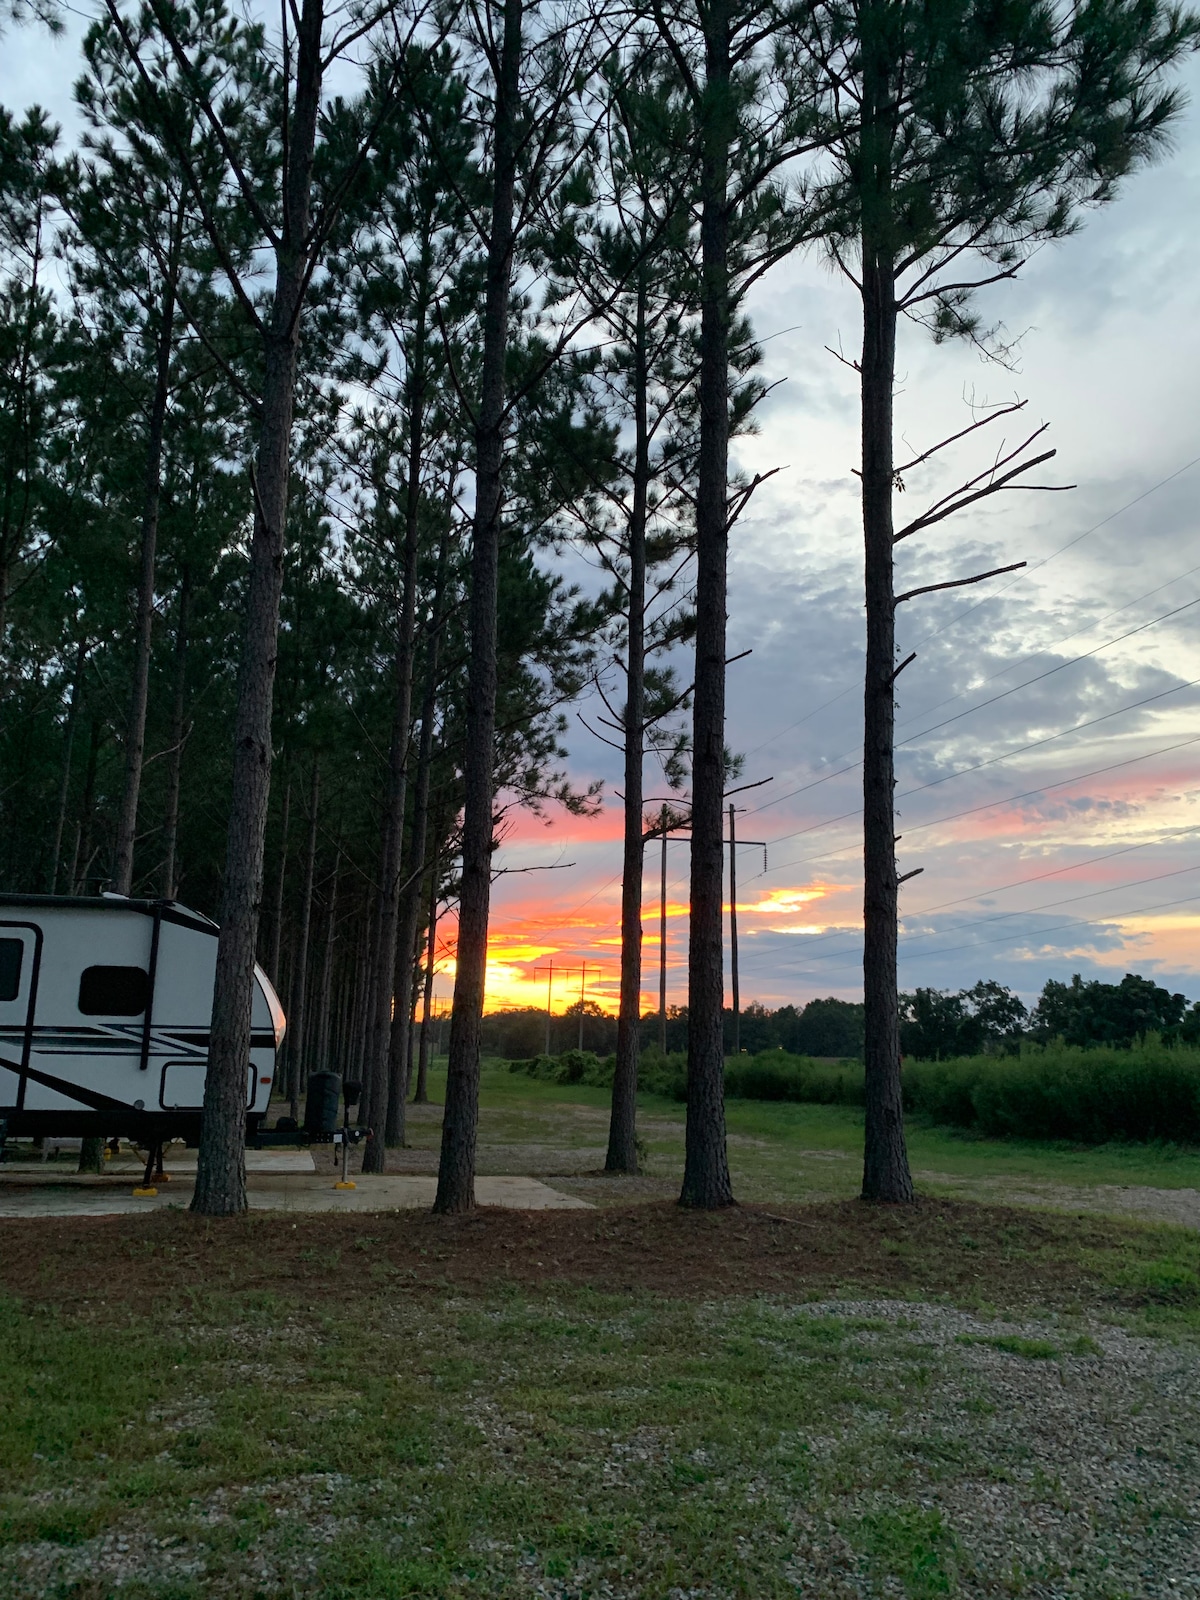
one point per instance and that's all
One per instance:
(669, 821)
(537, 972)
(662, 943)
(733, 949)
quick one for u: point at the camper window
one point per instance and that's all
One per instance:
(114, 991)
(11, 951)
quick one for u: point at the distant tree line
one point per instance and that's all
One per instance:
(823, 1028)
(937, 1025)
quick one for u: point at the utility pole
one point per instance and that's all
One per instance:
(733, 944)
(673, 821)
(549, 971)
(733, 961)
(669, 821)
(662, 941)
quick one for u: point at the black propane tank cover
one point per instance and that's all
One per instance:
(321, 1107)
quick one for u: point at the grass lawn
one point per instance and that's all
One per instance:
(793, 1397)
(784, 1150)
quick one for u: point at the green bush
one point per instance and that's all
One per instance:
(665, 1074)
(1149, 1092)
(775, 1075)
(573, 1066)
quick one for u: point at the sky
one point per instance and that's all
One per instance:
(1048, 730)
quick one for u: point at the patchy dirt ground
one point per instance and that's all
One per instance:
(1180, 1206)
(945, 1246)
(835, 1401)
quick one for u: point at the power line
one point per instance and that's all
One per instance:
(1085, 627)
(995, 593)
(1088, 861)
(1024, 911)
(971, 710)
(1091, 922)
(953, 816)
(1049, 673)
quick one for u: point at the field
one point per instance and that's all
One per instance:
(800, 1396)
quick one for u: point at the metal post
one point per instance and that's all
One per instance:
(733, 951)
(582, 996)
(549, 995)
(662, 942)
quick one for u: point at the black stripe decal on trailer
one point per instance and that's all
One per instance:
(73, 1091)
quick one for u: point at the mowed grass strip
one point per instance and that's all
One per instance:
(646, 1402)
(940, 1246)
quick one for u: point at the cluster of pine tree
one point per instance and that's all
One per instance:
(329, 329)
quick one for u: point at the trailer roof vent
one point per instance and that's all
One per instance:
(114, 991)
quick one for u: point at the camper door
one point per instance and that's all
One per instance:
(20, 957)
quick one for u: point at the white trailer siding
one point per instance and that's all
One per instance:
(111, 1011)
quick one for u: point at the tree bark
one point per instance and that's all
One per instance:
(410, 901)
(91, 1155)
(81, 860)
(421, 1095)
(886, 1175)
(296, 1022)
(706, 1179)
(221, 1166)
(622, 1126)
(321, 1030)
(456, 1171)
(135, 727)
(64, 783)
(285, 819)
(394, 956)
(175, 760)
(383, 966)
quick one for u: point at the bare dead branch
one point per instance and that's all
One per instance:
(948, 510)
(980, 422)
(957, 583)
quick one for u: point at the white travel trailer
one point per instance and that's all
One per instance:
(105, 1006)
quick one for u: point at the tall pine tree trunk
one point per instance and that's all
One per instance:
(387, 910)
(285, 818)
(175, 759)
(622, 1126)
(221, 1166)
(410, 902)
(456, 1170)
(706, 1167)
(387, 1074)
(885, 1159)
(421, 1094)
(325, 989)
(64, 782)
(135, 727)
(296, 1023)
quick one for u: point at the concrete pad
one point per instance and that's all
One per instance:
(127, 1169)
(273, 1191)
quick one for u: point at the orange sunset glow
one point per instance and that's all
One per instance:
(547, 946)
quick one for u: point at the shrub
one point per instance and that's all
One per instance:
(665, 1074)
(775, 1075)
(1149, 1092)
(573, 1066)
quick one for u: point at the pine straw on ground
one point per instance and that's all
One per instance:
(957, 1248)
